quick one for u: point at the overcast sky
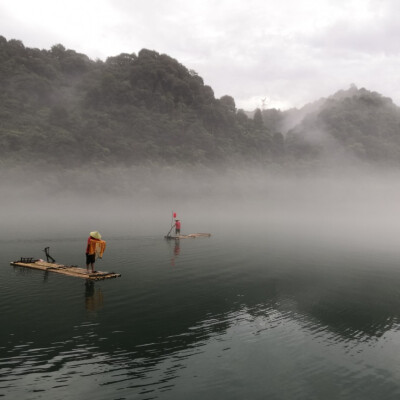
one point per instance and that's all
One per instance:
(288, 52)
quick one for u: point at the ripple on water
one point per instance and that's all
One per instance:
(215, 320)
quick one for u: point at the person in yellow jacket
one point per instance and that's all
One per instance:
(94, 249)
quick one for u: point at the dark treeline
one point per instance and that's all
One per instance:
(58, 107)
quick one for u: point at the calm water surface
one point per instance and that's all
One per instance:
(239, 315)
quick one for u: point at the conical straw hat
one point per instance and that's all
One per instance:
(95, 235)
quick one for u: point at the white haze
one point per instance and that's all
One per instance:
(286, 52)
(342, 209)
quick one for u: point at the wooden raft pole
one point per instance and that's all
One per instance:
(69, 270)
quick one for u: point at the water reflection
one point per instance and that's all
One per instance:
(222, 313)
(94, 298)
(176, 250)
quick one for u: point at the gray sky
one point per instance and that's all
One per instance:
(288, 52)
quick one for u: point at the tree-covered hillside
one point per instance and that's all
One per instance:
(58, 106)
(356, 122)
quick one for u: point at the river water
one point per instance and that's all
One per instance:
(262, 309)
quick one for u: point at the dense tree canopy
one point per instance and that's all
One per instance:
(361, 123)
(60, 107)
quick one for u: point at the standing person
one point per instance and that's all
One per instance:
(177, 227)
(95, 248)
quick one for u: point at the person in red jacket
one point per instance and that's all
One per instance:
(95, 248)
(177, 227)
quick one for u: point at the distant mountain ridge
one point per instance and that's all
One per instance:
(58, 107)
(361, 123)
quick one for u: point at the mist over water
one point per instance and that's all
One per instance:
(353, 208)
(295, 295)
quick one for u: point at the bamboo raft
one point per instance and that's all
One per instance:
(191, 235)
(70, 270)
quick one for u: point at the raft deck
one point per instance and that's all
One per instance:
(70, 270)
(191, 235)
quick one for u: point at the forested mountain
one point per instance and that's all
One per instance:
(58, 107)
(356, 123)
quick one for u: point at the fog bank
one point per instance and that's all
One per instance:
(355, 209)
